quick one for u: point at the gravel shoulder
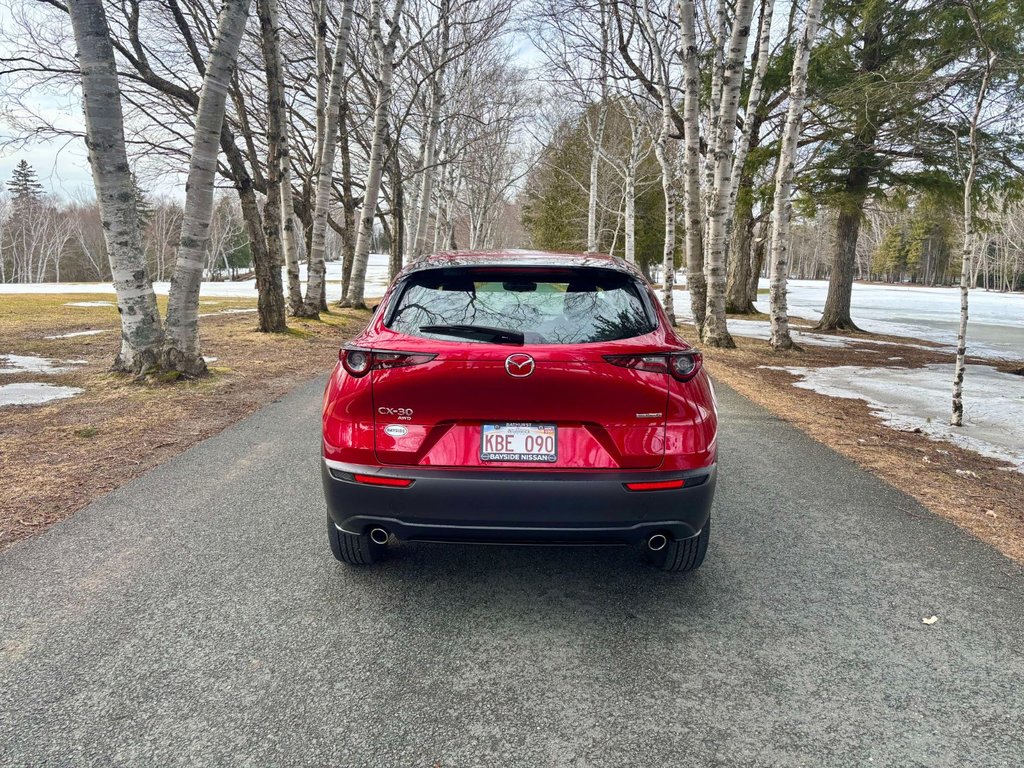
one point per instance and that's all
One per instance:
(195, 617)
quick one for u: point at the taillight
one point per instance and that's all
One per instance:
(655, 485)
(388, 482)
(358, 362)
(682, 365)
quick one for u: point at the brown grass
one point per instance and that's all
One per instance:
(58, 457)
(989, 503)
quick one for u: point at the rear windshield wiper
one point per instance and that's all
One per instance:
(477, 332)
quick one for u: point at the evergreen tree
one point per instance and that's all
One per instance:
(142, 205)
(24, 185)
(882, 79)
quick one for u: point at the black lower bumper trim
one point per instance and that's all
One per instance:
(520, 507)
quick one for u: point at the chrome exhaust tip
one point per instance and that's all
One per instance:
(657, 542)
(379, 535)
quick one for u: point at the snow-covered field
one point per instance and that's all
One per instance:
(376, 283)
(995, 327)
(919, 398)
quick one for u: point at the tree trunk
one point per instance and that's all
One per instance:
(279, 166)
(691, 165)
(737, 279)
(430, 149)
(348, 243)
(316, 266)
(836, 316)
(740, 206)
(756, 265)
(780, 336)
(141, 334)
(957, 414)
(271, 310)
(630, 214)
(375, 164)
(716, 334)
(595, 164)
(397, 215)
(181, 341)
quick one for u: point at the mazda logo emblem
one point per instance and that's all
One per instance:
(519, 366)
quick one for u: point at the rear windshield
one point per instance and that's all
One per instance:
(568, 306)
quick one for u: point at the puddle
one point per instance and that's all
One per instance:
(34, 393)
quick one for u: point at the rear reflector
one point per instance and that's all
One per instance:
(660, 485)
(390, 482)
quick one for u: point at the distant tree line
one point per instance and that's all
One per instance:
(47, 239)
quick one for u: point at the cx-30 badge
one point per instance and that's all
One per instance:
(519, 366)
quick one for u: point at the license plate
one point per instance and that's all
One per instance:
(519, 442)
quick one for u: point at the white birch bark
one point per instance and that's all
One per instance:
(595, 165)
(716, 333)
(280, 230)
(753, 102)
(316, 267)
(597, 138)
(692, 203)
(141, 334)
(385, 51)
(957, 412)
(434, 128)
(661, 152)
(181, 338)
(779, 255)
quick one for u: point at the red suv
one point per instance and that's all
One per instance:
(522, 398)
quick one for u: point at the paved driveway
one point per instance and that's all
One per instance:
(196, 617)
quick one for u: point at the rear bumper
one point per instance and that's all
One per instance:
(518, 507)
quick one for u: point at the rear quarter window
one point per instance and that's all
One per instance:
(564, 306)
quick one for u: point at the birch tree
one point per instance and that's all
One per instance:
(738, 265)
(688, 53)
(957, 412)
(279, 215)
(384, 51)
(181, 342)
(780, 336)
(316, 266)
(141, 332)
(715, 332)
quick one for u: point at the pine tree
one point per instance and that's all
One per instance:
(143, 207)
(24, 185)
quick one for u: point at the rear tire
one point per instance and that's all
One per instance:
(352, 548)
(685, 555)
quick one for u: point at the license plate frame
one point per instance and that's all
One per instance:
(542, 431)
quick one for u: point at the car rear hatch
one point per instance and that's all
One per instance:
(573, 408)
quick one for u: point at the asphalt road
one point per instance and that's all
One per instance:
(195, 617)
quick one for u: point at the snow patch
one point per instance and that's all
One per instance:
(376, 284)
(227, 312)
(919, 399)
(34, 393)
(88, 304)
(34, 364)
(74, 334)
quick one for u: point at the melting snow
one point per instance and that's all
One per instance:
(995, 329)
(919, 398)
(74, 334)
(34, 364)
(34, 393)
(376, 284)
(88, 304)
